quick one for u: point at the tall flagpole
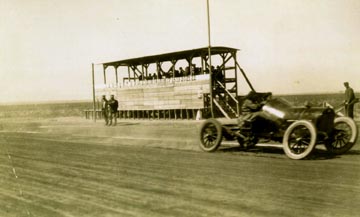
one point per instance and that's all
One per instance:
(210, 72)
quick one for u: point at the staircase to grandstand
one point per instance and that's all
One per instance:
(225, 99)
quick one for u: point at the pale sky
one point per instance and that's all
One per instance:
(286, 46)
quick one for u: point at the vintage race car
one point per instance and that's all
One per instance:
(299, 129)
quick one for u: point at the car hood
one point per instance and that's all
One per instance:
(281, 109)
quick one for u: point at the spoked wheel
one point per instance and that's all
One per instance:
(344, 136)
(299, 139)
(210, 135)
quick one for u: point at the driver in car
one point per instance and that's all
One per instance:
(250, 110)
(252, 105)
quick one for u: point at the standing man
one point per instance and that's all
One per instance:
(113, 106)
(349, 100)
(104, 109)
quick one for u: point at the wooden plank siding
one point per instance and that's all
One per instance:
(159, 95)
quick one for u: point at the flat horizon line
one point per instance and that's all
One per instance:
(46, 102)
(90, 100)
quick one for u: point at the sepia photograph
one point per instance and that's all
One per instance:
(183, 108)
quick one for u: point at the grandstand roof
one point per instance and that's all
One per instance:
(185, 54)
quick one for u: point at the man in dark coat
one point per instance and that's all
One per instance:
(349, 100)
(104, 110)
(252, 105)
(113, 106)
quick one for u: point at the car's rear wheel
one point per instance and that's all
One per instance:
(343, 137)
(299, 139)
(210, 135)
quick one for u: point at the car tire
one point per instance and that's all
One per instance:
(299, 139)
(344, 137)
(210, 135)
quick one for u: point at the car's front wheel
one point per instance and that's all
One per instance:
(210, 135)
(299, 139)
(343, 137)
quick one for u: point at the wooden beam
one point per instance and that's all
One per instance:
(116, 75)
(93, 92)
(104, 69)
(173, 67)
(129, 73)
(202, 65)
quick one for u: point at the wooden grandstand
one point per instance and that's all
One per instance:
(182, 91)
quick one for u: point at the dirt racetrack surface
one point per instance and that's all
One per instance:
(74, 167)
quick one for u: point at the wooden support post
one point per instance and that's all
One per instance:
(142, 72)
(128, 73)
(190, 65)
(146, 70)
(104, 72)
(116, 75)
(157, 70)
(210, 72)
(173, 67)
(202, 65)
(236, 84)
(93, 90)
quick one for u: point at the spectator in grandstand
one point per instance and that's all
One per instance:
(213, 77)
(187, 71)
(349, 100)
(181, 72)
(153, 77)
(113, 108)
(169, 75)
(212, 69)
(177, 73)
(218, 74)
(196, 70)
(104, 110)
(192, 69)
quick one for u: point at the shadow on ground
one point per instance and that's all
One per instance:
(317, 154)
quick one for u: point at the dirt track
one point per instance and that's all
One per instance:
(77, 168)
